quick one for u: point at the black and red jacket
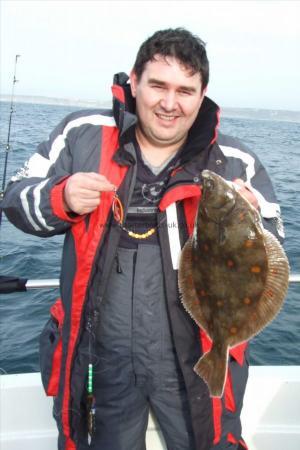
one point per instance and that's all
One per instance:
(100, 141)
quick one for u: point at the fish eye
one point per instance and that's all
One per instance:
(209, 184)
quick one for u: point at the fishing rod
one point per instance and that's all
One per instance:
(7, 148)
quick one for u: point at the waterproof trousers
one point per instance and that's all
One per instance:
(136, 364)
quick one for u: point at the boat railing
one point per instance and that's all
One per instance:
(13, 284)
(54, 283)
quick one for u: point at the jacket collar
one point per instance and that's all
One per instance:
(200, 138)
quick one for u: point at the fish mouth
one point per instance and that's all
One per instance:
(208, 181)
(211, 188)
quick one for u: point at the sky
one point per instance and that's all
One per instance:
(72, 48)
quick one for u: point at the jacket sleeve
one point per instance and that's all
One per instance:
(261, 186)
(243, 163)
(33, 200)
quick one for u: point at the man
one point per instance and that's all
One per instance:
(124, 186)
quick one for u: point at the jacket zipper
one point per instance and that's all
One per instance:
(99, 295)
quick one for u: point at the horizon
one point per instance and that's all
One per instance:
(63, 101)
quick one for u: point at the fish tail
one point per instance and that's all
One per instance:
(212, 367)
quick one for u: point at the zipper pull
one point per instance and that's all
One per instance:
(119, 268)
(91, 407)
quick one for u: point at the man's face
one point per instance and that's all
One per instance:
(168, 99)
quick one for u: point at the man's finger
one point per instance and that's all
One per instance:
(88, 194)
(90, 180)
(99, 182)
(245, 192)
(90, 202)
(98, 186)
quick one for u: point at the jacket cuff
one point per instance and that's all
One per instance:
(57, 203)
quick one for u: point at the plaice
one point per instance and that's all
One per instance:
(233, 275)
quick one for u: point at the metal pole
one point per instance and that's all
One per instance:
(54, 283)
(42, 284)
(295, 278)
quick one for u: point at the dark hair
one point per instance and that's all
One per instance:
(178, 43)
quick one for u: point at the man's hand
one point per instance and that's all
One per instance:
(245, 192)
(82, 193)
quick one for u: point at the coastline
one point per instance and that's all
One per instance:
(230, 112)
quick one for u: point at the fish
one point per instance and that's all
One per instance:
(233, 275)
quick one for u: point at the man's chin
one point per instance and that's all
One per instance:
(162, 140)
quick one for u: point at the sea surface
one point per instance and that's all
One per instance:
(23, 315)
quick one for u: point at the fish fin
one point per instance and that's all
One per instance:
(189, 297)
(212, 368)
(277, 281)
(273, 294)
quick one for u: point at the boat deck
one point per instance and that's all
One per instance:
(270, 417)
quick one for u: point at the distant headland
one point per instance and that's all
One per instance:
(243, 113)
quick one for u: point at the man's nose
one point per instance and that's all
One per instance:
(168, 101)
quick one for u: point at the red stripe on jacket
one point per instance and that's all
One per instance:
(86, 244)
(57, 202)
(179, 193)
(52, 388)
(233, 440)
(237, 352)
(228, 393)
(57, 312)
(118, 93)
(190, 208)
(216, 401)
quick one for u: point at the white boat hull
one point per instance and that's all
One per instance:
(270, 417)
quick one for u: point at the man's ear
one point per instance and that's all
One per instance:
(203, 93)
(133, 82)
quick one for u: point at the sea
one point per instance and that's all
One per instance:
(22, 315)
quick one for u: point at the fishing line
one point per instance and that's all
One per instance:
(8, 147)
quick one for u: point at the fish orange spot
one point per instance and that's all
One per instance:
(248, 243)
(230, 263)
(233, 330)
(255, 269)
(274, 271)
(270, 293)
(242, 216)
(247, 301)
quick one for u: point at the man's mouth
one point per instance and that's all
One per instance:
(167, 117)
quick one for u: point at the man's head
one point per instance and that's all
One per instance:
(168, 81)
(179, 44)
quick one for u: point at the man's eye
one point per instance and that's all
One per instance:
(185, 92)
